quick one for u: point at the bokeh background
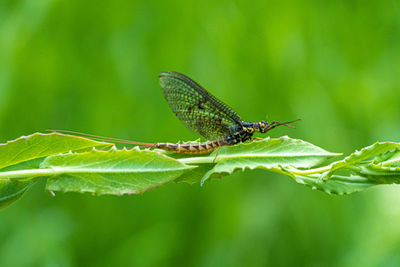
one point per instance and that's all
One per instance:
(92, 66)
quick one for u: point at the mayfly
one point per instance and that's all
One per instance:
(202, 113)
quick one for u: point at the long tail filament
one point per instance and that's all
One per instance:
(102, 138)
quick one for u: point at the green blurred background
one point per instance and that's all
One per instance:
(92, 66)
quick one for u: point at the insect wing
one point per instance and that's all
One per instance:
(200, 111)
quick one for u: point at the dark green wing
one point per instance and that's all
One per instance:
(200, 111)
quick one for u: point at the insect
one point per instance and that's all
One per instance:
(204, 114)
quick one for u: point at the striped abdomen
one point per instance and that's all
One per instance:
(199, 148)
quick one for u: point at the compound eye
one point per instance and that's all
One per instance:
(263, 122)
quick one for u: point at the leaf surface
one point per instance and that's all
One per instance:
(113, 172)
(77, 164)
(28, 152)
(268, 154)
(40, 145)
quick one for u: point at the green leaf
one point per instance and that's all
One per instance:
(372, 165)
(389, 159)
(28, 152)
(11, 190)
(336, 184)
(72, 164)
(40, 145)
(268, 154)
(195, 175)
(113, 172)
(375, 150)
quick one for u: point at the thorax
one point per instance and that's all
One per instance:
(241, 135)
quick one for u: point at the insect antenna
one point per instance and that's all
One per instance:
(274, 124)
(288, 122)
(102, 138)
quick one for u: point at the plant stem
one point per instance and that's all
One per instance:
(26, 173)
(196, 160)
(311, 171)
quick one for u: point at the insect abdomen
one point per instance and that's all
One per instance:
(199, 148)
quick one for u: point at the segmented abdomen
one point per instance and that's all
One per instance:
(199, 148)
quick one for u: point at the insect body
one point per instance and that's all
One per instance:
(200, 148)
(202, 113)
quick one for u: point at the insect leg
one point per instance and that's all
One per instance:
(216, 154)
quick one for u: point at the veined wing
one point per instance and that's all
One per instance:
(200, 111)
